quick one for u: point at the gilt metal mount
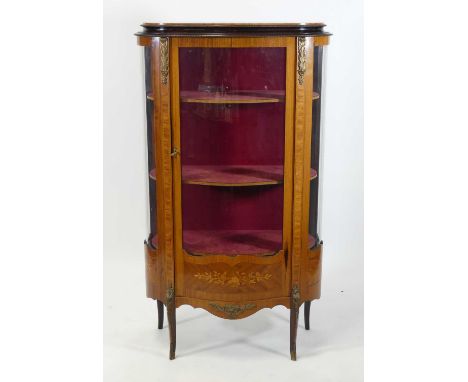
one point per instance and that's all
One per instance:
(164, 59)
(170, 295)
(301, 60)
(233, 310)
(295, 296)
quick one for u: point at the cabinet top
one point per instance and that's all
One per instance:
(238, 29)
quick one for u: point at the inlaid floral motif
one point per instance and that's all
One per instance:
(233, 280)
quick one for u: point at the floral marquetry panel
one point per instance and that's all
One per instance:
(233, 280)
(225, 281)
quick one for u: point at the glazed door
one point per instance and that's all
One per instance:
(232, 112)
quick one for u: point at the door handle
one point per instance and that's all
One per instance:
(175, 152)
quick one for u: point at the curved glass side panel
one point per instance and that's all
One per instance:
(316, 152)
(150, 147)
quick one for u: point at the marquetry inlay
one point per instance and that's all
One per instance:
(233, 280)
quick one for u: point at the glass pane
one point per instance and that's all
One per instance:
(232, 149)
(316, 154)
(150, 147)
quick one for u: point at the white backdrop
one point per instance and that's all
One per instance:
(333, 347)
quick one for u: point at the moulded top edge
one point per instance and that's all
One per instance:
(219, 29)
(233, 25)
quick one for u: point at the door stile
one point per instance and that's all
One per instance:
(162, 137)
(288, 158)
(177, 167)
(303, 130)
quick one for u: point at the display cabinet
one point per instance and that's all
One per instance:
(233, 132)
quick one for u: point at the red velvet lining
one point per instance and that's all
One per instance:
(227, 68)
(232, 143)
(233, 243)
(243, 134)
(232, 208)
(232, 134)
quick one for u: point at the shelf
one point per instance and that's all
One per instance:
(232, 176)
(226, 98)
(254, 96)
(234, 242)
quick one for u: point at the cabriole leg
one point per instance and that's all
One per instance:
(170, 306)
(160, 314)
(293, 331)
(307, 314)
(295, 304)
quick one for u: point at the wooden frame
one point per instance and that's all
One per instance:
(283, 42)
(289, 277)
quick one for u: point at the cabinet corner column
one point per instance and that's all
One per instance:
(302, 139)
(163, 143)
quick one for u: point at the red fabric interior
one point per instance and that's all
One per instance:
(232, 208)
(242, 136)
(233, 243)
(238, 134)
(228, 68)
(232, 143)
(232, 134)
